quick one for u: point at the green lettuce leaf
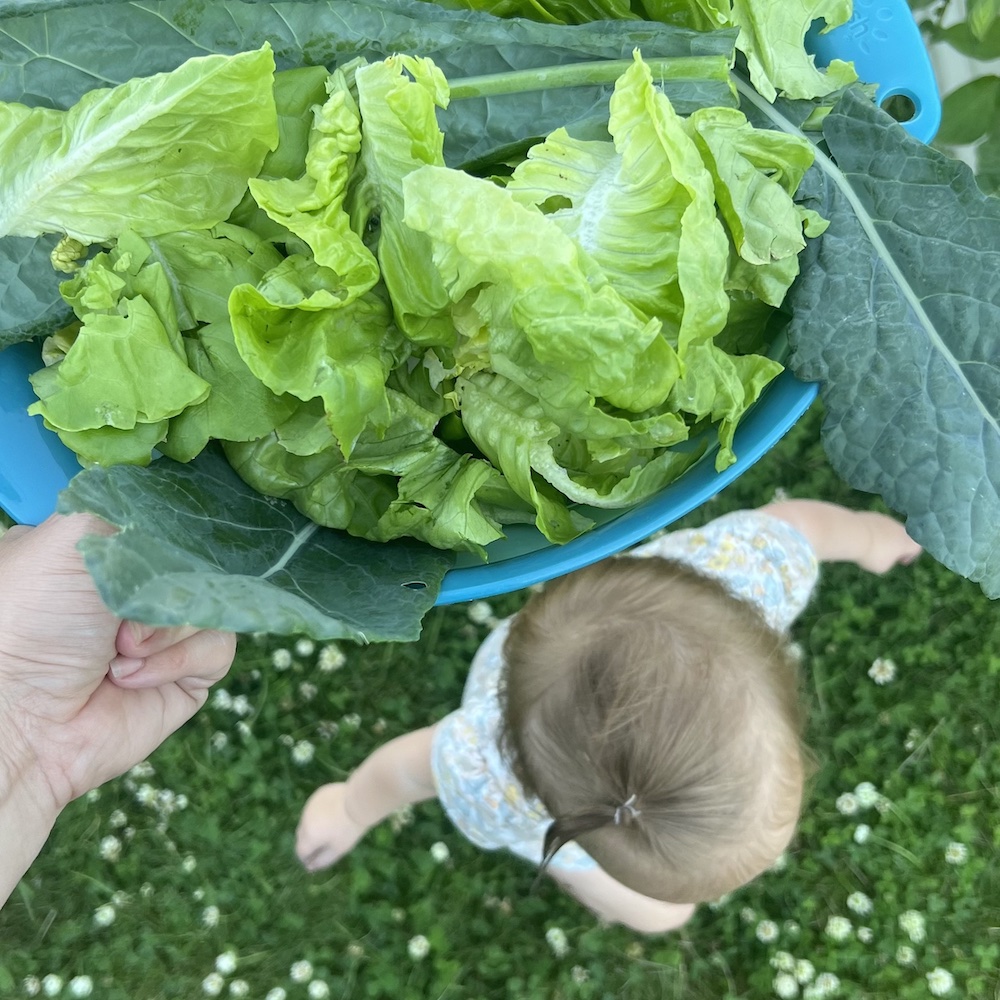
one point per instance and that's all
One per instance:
(644, 209)
(132, 157)
(302, 331)
(404, 481)
(312, 206)
(198, 547)
(398, 100)
(561, 300)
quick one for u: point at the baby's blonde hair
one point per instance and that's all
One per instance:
(658, 719)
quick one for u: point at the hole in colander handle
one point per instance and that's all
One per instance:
(884, 43)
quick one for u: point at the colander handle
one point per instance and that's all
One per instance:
(884, 43)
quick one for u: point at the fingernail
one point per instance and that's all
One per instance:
(139, 633)
(125, 666)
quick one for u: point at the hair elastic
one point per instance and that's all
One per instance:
(627, 808)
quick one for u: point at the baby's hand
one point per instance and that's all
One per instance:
(326, 832)
(888, 543)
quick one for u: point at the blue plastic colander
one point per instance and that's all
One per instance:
(884, 43)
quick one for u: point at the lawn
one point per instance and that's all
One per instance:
(179, 880)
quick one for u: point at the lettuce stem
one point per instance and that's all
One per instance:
(596, 73)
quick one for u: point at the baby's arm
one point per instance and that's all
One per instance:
(873, 541)
(337, 816)
(618, 904)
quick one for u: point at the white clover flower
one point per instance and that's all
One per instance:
(244, 729)
(912, 739)
(330, 658)
(767, 931)
(905, 955)
(866, 935)
(398, 914)
(352, 720)
(221, 698)
(305, 647)
(31, 986)
(145, 795)
(239, 988)
(579, 974)
(912, 923)
(278, 993)
(303, 752)
(838, 928)
(795, 652)
(418, 947)
(281, 659)
(883, 805)
(129, 832)
(146, 890)
(400, 818)
(111, 848)
(860, 904)
(556, 938)
(785, 986)
(52, 985)
(180, 801)
(210, 916)
(242, 706)
(318, 990)
(480, 612)
(780, 862)
(301, 972)
(307, 691)
(826, 984)
(226, 963)
(956, 853)
(861, 833)
(379, 726)
(327, 730)
(213, 984)
(189, 864)
(355, 950)
(866, 794)
(718, 904)
(940, 981)
(847, 804)
(198, 895)
(805, 971)
(286, 740)
(81, 986)
(142, 770)
(104, 915)
(440, 852)
(117, 819)
(219, 741)
(882, 670)
(783, 961)
(748, 915)
(791, 928)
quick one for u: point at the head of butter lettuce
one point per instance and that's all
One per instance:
(398, 347)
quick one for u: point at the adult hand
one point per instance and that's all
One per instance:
(83, 695)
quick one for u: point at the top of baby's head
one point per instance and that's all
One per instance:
(658, 718)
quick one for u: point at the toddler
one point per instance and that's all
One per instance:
(635, 729)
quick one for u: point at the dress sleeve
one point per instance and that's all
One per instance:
(757, 557)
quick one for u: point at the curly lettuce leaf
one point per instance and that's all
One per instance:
(302, 330)
(561, 300)
(772, 37)
(135, 156)
(644, 210)
(398, 99)
(312, 206)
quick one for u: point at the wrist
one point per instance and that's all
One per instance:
(28, 811)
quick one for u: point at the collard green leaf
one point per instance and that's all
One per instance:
(198, 547)
(897, 312)
(30, 305)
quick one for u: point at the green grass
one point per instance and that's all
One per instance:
(928, 741)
